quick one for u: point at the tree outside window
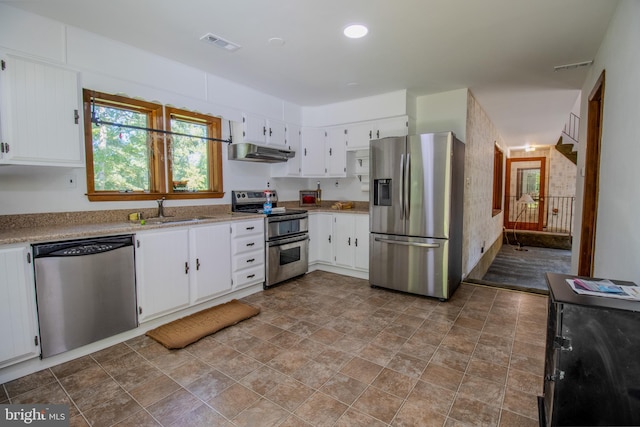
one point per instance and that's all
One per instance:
(129, 146)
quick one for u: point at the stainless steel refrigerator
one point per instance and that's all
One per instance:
(416, 201)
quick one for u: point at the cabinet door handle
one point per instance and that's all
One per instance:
(197, 263)
(305, 151)
(329, 238)
(264, 130)
(270, 131)
(251, 260)
(76, 116)
(370, 134)
(377, 134)
(330, 152)
(356, 242)
(250, 244)
(349, 241)
(186, 268)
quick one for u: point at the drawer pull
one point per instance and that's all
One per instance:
(251, 260)
(251, 244)
(250, 228)
(251, 276)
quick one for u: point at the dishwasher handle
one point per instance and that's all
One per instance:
(82, 247)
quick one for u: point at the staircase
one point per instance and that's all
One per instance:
(567, 150)
(570, 131)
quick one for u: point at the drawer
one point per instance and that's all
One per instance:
(248, 260)
(246, 228)
(248, 277)
(247, 244)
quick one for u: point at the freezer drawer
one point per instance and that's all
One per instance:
(410, 264)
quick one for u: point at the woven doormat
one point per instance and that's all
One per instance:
(182, 332)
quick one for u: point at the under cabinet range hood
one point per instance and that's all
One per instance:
(249, 152)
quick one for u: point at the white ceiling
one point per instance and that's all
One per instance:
(503, 50)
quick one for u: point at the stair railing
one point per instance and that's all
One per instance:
(571, 127)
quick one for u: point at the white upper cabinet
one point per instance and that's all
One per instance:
(39, 114)
(291, 167)
(312, 148)
(359, 134)
(324, 152)
(335, 151)
(261, 130)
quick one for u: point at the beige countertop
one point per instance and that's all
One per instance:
(51, 227)
(51, 233)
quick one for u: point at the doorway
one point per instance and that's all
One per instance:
(524, 193)
(591, 179)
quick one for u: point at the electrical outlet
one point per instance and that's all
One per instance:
(268, 184)
(70, 180)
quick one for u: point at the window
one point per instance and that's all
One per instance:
(130, 155)
(192, 160)
(498, 173)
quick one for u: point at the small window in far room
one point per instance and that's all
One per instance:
(498, 173)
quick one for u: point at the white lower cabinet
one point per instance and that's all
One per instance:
(351, 240)
(18, 319)
(162, 271)
(180, 267)
(339, 239)
(247, 253)
(320, 238)
(210, 261)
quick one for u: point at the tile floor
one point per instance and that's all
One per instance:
(326, 350)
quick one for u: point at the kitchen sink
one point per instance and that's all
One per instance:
(174, 219)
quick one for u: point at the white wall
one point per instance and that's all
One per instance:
(112, 67)
(617, 228)
(442, 112)
(389, 104)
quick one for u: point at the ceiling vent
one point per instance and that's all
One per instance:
(572, 66)
(220, 42)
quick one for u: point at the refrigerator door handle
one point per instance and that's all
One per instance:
(403, 185)
(398, 242)
(407, 186)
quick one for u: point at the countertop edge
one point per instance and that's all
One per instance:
(70, 232)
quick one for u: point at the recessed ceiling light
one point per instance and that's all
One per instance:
(355, 31)
(276, 41)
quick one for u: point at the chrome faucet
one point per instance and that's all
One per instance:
(160, 208)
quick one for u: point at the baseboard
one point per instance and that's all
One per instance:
(483, 264)
(339, 270)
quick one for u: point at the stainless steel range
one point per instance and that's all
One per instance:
(286, 235)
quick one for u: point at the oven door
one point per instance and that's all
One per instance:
(287, 258)
(286, 225)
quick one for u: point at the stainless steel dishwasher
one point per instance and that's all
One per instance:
(85, 290)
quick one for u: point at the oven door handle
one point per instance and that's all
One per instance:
(293, 239)
(287, 217)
